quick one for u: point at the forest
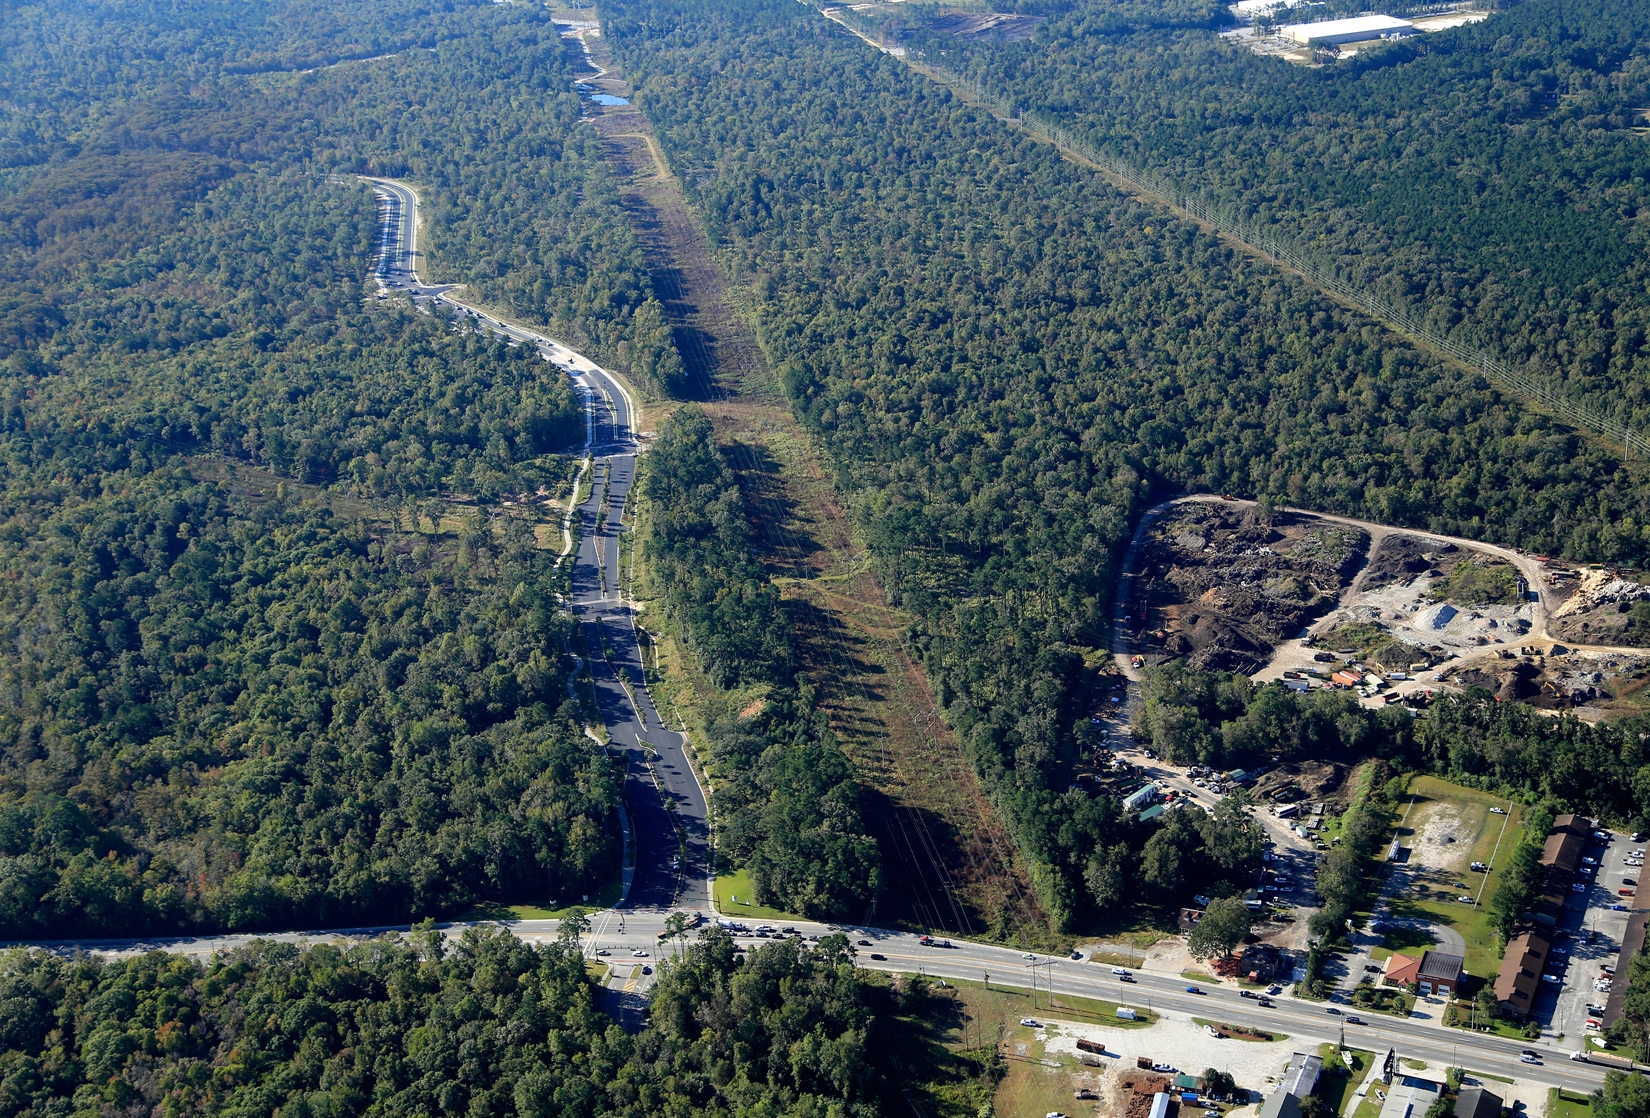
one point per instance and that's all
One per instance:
(1006, 360)
(1491, 178)
(787, 799)
(479, 1025)
(276, 650)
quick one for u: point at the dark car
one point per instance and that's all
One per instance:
(1125, 978)
(1193, 990)
(879, 958)
(1267, 1002)
(1334, 1011)
(1354, 1020)
(865, 943)
(1247, 994)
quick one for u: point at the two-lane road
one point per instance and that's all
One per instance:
(669, 814)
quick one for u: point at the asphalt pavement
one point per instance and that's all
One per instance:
(669, 818)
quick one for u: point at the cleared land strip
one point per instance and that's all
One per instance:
(950, 864)
(1282, 252)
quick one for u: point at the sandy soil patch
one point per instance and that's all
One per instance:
(1173, 1040)
(1444, 836)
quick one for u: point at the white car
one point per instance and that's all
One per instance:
(1120, 970)
(638, 954)
(1498, 811)
(1030, 1022)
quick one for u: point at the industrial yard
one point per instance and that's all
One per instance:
(1287, 29)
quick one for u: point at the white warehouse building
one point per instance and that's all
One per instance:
(1358, 29)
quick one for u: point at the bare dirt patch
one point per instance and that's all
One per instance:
(1444, 834)
(1222, 589)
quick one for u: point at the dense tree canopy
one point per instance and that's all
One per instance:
(223, 703)
(1490, 177)
(478, 1026)
(788, 798)
(1006, 359)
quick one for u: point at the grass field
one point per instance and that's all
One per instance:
(1407, 941)
(1480, 837)
(738, 884)
(508, 914)
(1339, 1081)
(1568, 1104)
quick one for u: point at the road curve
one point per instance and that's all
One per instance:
(668, 808)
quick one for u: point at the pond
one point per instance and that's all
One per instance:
(609, 99)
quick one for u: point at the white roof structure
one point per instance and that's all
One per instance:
(1354, 30)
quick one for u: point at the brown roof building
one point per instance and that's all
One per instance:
(1440, 973)
(1519, 980)
(1632, 942)
(1520, 977)
(1475, 1102)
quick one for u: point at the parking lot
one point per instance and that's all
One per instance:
(1563, 1008)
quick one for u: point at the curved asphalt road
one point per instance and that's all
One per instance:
(669, 815)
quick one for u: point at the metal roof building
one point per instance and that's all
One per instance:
(1358, 29)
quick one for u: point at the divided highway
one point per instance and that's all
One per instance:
(669, 822)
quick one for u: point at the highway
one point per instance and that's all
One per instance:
(665, 802)
(669, 816)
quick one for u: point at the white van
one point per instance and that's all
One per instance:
(1120, 970)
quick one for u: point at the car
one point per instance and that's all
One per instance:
(603, 951)
(1464, 899)
(638, 954)
(1551, 978)
(1077, 955)
(1333, 1012)
(646, 969)
(1498, 811)
(1373, 968)
(1248, 994)
(1588, 860)
(1193, 990)
(1126, 978)
(1028, 955)
(1635, 853)
(1274, 991)
(865, 943)
(1529, 1058)
(879, 958)
(1629, 881)
(1635, 862)
(1480, 867)
(1354, 1020)
(1030, 1022)
(1120, 971)
(1619, 908)
(1624, 891)
(1577, 887)
(1606, 968)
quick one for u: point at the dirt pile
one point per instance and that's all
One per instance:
(1604, 608)
(1405, 558)
(1222, 589)
(1304, 780)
